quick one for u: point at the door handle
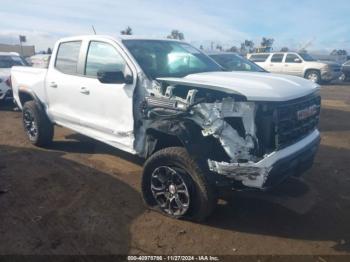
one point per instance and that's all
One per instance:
(84, 91)
(53, 85)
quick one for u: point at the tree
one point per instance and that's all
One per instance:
(219, 47)
(267, 43)
(247, 47)
(201, 47)
(284, 49)
(176, 34)
(127, 31)
(339, 52)
(49, 51)
(232, 49)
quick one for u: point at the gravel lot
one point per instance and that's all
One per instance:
(82, 197)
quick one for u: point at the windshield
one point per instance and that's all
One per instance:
(159, 58)
(233, 62)
(7, 61)
(307, 57)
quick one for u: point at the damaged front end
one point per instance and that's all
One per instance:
(253, 136)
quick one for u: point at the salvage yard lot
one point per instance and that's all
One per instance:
(82, 197)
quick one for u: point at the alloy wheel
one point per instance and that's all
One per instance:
(170, 190)
(30, 125)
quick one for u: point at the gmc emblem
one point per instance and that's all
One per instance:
(307, 112)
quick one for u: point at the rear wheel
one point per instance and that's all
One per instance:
(314, 76)
(36, 124)
(175, 185)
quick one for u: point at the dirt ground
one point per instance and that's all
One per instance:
(82, 197)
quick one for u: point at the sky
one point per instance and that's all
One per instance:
(321, 25)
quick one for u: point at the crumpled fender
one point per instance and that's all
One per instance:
(184, 130)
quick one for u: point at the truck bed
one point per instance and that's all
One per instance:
(25, 77)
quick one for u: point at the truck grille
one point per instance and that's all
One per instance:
(295, 119)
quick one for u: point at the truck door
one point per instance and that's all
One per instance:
(292, 65)
(106, 109)
(275, 65)
(62, 84)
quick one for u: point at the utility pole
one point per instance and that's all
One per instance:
(22, 39)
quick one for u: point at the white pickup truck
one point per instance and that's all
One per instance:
(200, 128)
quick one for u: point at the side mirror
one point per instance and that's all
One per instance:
(297, 60)
(114, 77)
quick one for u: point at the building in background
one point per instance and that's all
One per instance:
(25, 50)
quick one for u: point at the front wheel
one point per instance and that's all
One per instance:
(342, 77)
(175, 185)
(314, 76)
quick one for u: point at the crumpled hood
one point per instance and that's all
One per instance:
(254, 86)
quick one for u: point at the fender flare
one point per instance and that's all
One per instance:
(311, 69)
(32, 95)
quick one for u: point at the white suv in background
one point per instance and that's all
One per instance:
(298, 64)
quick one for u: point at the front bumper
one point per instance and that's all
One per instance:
(273, 168)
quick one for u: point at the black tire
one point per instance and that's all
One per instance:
(202, 199)
(314, 76)
(37, 126)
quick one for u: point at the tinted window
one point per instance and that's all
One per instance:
(67, 57)
(290, 58)
(277, 58)
(10, 61)
(234, 62)
(103, 56)
(160, 58)
(307, 57)
(259, 58)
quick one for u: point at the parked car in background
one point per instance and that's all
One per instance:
(234, 62)
(7, 61)
(40, 61)
(298, 64)
(201, 129)
(346, 70)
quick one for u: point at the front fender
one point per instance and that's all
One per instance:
(187, 134)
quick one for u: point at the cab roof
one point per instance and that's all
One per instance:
(118, 38)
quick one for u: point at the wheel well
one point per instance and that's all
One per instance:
(164, 140)
(308, 70)
(25, 97)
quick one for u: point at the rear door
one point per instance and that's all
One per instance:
(63, 83)
(275, 63)
(292, 65)
(261, 60)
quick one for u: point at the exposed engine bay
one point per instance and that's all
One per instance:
(248, 132)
